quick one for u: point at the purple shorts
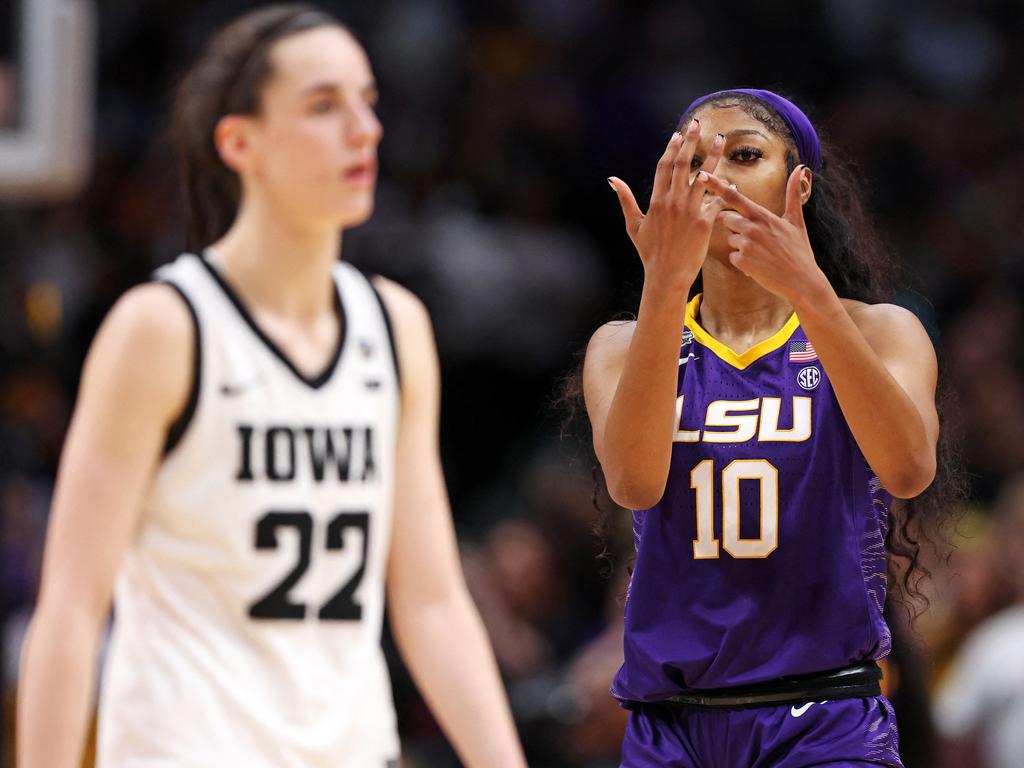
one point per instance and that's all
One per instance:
(848, 732)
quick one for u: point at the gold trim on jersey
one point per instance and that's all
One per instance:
(735, 359)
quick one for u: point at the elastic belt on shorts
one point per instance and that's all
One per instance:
(851, 682)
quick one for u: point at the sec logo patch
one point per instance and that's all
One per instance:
(809, 377)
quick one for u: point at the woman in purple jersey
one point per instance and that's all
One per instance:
(762, 455)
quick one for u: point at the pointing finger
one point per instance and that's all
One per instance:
(736, 200)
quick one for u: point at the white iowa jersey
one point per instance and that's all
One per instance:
(248, 609)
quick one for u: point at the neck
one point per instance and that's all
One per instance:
(278, 265)
(735, 309)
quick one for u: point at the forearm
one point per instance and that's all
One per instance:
(446, 648)
(638, 433)
(884, 420)
(55, 689)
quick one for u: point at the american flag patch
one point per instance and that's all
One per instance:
(801, 352)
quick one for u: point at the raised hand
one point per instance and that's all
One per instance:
(773, 250)
(672, 237)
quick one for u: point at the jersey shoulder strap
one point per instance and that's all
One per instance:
(358, 289)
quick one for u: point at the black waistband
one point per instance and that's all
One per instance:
(851, 682)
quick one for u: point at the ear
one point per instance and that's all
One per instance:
(806, 184)
(233, 142)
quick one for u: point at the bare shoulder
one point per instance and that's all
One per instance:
(152, 309)
(146, 341)
(152, 321)
(404, 306)
(882, 319)
(893, 332)
(611, 340)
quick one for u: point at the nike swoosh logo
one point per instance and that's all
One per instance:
(232, 390)
(799, 711)
(688, 358)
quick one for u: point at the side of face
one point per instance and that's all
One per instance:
(312, 149)
(754, 159)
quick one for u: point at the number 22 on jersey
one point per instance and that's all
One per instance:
(342, 606)
(702, 481)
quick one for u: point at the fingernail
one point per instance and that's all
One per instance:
(610, 183)
(732, 186)
(695, 122)
(702, 176)
(720, 137)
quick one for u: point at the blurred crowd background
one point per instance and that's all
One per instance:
(502, 120)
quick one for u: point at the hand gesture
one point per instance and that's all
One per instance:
(672, 237)
(773, 250)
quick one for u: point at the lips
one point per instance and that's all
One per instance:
(361, 174)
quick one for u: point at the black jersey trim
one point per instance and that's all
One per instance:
(339, 307)
(390, 330)
(178, 427)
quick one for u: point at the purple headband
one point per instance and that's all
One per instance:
(804, 135)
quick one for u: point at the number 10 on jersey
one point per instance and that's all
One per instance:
(702, 481)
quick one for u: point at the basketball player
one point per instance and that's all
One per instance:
(254, 458)
(759, 431)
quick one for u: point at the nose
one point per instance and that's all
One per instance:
(363, 127)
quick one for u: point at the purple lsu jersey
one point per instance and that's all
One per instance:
(765, 556)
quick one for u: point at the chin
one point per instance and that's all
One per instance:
(353, 216)
(720, 255)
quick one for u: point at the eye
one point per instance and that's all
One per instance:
(323, 106)
(746, 154)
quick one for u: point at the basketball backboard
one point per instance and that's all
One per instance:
(47, 66)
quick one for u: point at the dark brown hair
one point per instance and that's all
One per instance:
(227, 79)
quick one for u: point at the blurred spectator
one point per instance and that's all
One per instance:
(596, 732)
(980, 705)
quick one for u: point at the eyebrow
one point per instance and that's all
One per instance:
(329, 87)
(748, 132)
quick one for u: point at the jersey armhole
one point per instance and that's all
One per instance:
(178, 427)
(390, 330)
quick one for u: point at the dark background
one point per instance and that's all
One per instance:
(9, 49)
(502, 121)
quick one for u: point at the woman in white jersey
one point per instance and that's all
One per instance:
(253, 460)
